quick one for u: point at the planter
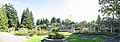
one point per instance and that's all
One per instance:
(54, 40)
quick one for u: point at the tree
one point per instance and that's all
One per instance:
(98, 19)
(46, 21)
(38, 22)
(109, 7)
(12, 16)
(72, 23)
(31, 19)
(67, 22)
(58, 20)
(53, 20)
(63, 22)
(41, 21)
(3, 20)
(84, 22)
(27, 19)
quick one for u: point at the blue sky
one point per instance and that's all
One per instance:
(76, 10)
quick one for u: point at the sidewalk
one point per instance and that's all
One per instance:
(7, 37)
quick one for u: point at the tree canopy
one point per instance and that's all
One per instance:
(12, 16)
(3, 19)
(27, 19)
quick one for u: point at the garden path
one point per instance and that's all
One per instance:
(7, 37)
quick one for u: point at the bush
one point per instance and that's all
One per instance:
(31, 35)
(117, 30)
(1, 30)
(85, 30)
(55, 36)
(97, 33)
(21, 32)
(110, 34)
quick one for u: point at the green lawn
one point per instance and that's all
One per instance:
(36, 38)
(65, 33)
(70, 39)
(78, 39)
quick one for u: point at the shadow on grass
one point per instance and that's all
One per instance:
(79, 39)
(36, 38)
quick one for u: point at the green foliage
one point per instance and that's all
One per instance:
(21, 32)
(27, 19)
(3, 20)
(98, 19)
(53, 20)
(97, 33)
(55, 36)
(12, 16)
(67, 22)
(55, 30)
(63, 22)
(46, 21)
(42, 21)
(38, 22)
(58, 20)
(109, 7)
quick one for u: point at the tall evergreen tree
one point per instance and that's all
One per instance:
(41, 21)
(12, 16)
(58, 20)
(98, 19)
(3, 19)
(53, 20)
(27, 19)
(46, 21)
(38, 22)
(63, 22)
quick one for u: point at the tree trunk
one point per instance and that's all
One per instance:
(111, 28)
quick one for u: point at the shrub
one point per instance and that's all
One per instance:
(31, 35)
(21, 32)
(85, 30)
(1, 30)
(55, 36)
(55, 30)
(117, 30)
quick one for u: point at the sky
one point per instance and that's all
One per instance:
(75, 10)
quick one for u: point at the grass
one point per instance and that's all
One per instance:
(65, 33)
(36, 38)
(79, 39)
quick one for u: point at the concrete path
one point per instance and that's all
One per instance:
(7, 37)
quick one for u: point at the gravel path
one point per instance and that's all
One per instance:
(7, 37)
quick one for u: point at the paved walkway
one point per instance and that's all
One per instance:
(7, 37)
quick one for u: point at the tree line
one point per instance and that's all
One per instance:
(54, 22)
(9, 18)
